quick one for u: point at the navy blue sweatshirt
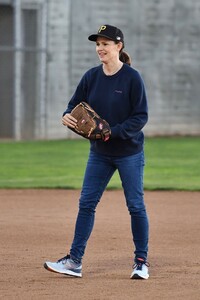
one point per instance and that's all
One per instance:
(120, 99)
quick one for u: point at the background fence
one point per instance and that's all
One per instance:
(44, 51)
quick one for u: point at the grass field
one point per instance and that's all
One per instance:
(171, 164)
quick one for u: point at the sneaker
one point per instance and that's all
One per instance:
(140, 269)
(65, 266)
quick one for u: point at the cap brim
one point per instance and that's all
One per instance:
(94, 37)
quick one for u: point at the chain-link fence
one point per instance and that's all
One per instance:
(22, 69)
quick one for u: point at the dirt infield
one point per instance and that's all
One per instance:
(37, 225)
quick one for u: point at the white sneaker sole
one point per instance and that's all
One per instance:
(64, 272)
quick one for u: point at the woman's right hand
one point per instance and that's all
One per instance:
(69, 121)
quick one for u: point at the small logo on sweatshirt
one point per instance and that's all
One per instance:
(118, 91)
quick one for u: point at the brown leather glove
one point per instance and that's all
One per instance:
(89, 124)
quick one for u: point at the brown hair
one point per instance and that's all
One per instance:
(125, 57)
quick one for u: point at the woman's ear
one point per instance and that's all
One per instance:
(120, 46)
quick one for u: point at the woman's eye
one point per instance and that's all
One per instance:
(103, 44)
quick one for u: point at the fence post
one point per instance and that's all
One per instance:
(17, 69)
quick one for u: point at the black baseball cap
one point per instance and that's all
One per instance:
(108, 31)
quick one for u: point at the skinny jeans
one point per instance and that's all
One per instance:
(98, 173)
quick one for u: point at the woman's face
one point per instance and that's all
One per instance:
(107, 50)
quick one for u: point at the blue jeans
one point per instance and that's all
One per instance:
(99, 171)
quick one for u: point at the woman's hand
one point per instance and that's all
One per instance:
(68, 120)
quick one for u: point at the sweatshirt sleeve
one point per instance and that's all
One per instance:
(78, 96)
(138, 116)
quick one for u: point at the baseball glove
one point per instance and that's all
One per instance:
(89, 124)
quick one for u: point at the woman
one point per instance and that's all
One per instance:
(116, 92)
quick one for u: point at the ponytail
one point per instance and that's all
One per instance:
(125, 57)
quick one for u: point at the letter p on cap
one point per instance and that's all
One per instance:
(103, 27)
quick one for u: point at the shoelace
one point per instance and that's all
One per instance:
(63, 259)
(138, 265)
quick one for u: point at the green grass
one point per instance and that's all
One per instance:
(171, 163)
